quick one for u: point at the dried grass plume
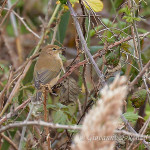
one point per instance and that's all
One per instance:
(101, 121)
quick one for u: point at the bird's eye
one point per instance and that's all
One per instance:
(54, 49)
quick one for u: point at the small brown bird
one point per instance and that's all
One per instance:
(47, 69)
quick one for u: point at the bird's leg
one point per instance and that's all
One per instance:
(50, 90)
(46, 116)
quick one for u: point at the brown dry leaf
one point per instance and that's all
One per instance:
(69, 91)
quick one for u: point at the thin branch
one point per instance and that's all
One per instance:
(138, 136)
(84, 44)
(38, 123)
(11, 114)
(1, 8)
(9, 141)
(47, 132)
(25, 127)
(47, 28)
(139, 53)
(133, 131)
(13, 19)
(141, 73)
(23, 22)
(84, 66)
(16, 88)
(56, 27)
(5, 89)
(13, 56)
(12, 7)
(141, 132)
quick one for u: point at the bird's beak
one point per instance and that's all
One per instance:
(62, 49)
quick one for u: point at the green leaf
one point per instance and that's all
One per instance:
(112, 59)
(60, 106)
(60, 117)
(131, 116)
(94, 49)
(93, 31)
(51, 106)
(9, 29)
(29, 76)
(6, 145)
(125, 10)
(63, 27)
(118, 3)
(137, 19)
(138, 98)
(72, 108)
(125, 46)
(63, 1)
(108, 23)
(20, 97)
(128, 18)
(141, 30)
(74, 1)
(96, 5)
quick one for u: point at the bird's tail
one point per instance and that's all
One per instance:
(38, 96)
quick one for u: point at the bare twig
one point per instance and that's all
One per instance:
(84, 66)
(11, 114)
(141, 73)
(56, 27)
(39, 123)
(16, 88)
(11, 52)
(25, 127)
(47, 28)
(46, 120)
(84, 45)
(9, 141)
(133, 131)
(6, 88)
(15, 28)
(12, 7)
(23, 22)
(140, 136)
(79, 106)
(141, 132)
(3, 5)
(13, 19)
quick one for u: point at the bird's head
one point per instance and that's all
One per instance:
(53, 49)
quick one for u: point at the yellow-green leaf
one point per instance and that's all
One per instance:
(74, 1)
(96, 5)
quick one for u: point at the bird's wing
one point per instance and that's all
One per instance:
(44, 76)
